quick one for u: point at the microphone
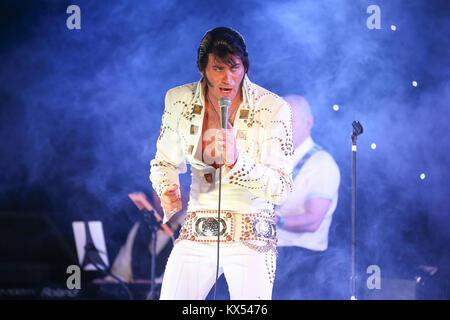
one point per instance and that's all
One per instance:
(357, 130)
(224, 104)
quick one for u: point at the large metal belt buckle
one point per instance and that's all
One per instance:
(264, 228)
(208, 227)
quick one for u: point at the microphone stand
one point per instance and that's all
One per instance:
(224, 104)
(154, 222)
(218, 225)
(153, 226)
(92, 256)
(357, 130)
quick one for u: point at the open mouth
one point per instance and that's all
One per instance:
(225, 90)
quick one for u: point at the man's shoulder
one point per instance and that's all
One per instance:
(322, 155)
(183, 90)
(262, 95)
(323, 159)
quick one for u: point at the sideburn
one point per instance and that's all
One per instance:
(207, 80)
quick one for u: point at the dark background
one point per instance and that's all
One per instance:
(80, 112)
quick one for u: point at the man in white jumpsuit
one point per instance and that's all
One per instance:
(256, 150)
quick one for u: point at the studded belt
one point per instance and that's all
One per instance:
(202, 226)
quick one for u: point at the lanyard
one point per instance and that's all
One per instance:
(305, 158)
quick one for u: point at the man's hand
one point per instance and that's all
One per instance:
(170, 200)
(230, 153)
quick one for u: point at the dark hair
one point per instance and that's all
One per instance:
(222, 42)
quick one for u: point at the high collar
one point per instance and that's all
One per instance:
(303, 148)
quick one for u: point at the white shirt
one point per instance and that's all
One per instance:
(318, 178)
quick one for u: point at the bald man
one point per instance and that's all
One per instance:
(304, 219)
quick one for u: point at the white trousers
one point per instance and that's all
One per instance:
(191, 271)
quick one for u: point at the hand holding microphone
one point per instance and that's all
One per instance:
(226, 136)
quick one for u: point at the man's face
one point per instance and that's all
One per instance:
(224, 79)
